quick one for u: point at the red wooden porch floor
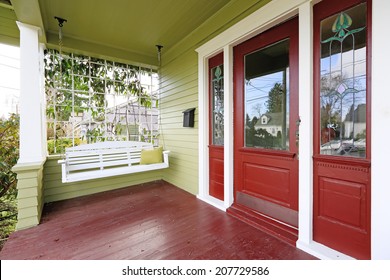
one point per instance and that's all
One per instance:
(150, 221)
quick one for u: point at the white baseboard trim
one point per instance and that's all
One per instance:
(321, 251)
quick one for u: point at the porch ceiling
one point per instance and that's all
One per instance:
(133, 28)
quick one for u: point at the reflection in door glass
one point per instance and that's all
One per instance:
(267, 97)
(343, 83)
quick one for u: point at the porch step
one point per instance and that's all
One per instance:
(280, 230)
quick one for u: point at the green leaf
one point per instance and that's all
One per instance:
(343, 21)
(218, 72)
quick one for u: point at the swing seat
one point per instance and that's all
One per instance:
(111, 158)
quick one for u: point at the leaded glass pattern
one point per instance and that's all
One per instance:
(343, 83)
(217, 105)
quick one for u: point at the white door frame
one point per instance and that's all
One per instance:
(266, 17)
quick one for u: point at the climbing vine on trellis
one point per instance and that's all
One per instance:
(91, 100)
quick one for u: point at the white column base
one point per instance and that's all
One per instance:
(213, 201)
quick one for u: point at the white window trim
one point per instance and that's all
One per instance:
(380, 118)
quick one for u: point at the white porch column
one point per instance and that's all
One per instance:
(203, 127)
(380, 119)
(306, 127)
(228, 127)
(32, 149)
(31, 96)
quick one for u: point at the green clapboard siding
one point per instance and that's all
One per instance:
(55, 190)
(30, 194)
(179, 87)
(9, 31)
(180, 92)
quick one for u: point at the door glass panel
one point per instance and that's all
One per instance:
(267, 97)
(217, 104)
(343, 83)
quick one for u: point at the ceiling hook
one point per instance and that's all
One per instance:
(159, 47)
(60, 21)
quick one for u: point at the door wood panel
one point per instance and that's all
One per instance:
(275, 188)
(216, 165)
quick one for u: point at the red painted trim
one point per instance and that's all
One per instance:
(216, 60)
(343, 160)
(276, 153)
(368, 65)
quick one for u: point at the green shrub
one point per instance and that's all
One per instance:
(8, 216)
(61, 144)
(9, 155)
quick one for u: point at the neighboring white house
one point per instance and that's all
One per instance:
(355, 123)
(271, 122)
(9, 81)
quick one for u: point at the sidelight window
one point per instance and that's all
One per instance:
(217, 105)
(343, 83)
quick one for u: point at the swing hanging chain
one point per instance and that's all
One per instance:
(60, 25)
(159, 47)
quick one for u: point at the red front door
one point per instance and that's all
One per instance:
(265, 126)
(342, 187)
(216, 124)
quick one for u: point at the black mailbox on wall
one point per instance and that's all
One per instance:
(189, 117)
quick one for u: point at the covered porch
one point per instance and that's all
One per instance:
(132, 216)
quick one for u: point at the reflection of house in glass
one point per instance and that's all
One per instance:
(271, 131)
(271, 122)
(355, 122)
(353, 142)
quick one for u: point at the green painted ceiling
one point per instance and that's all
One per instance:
(129, 27)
